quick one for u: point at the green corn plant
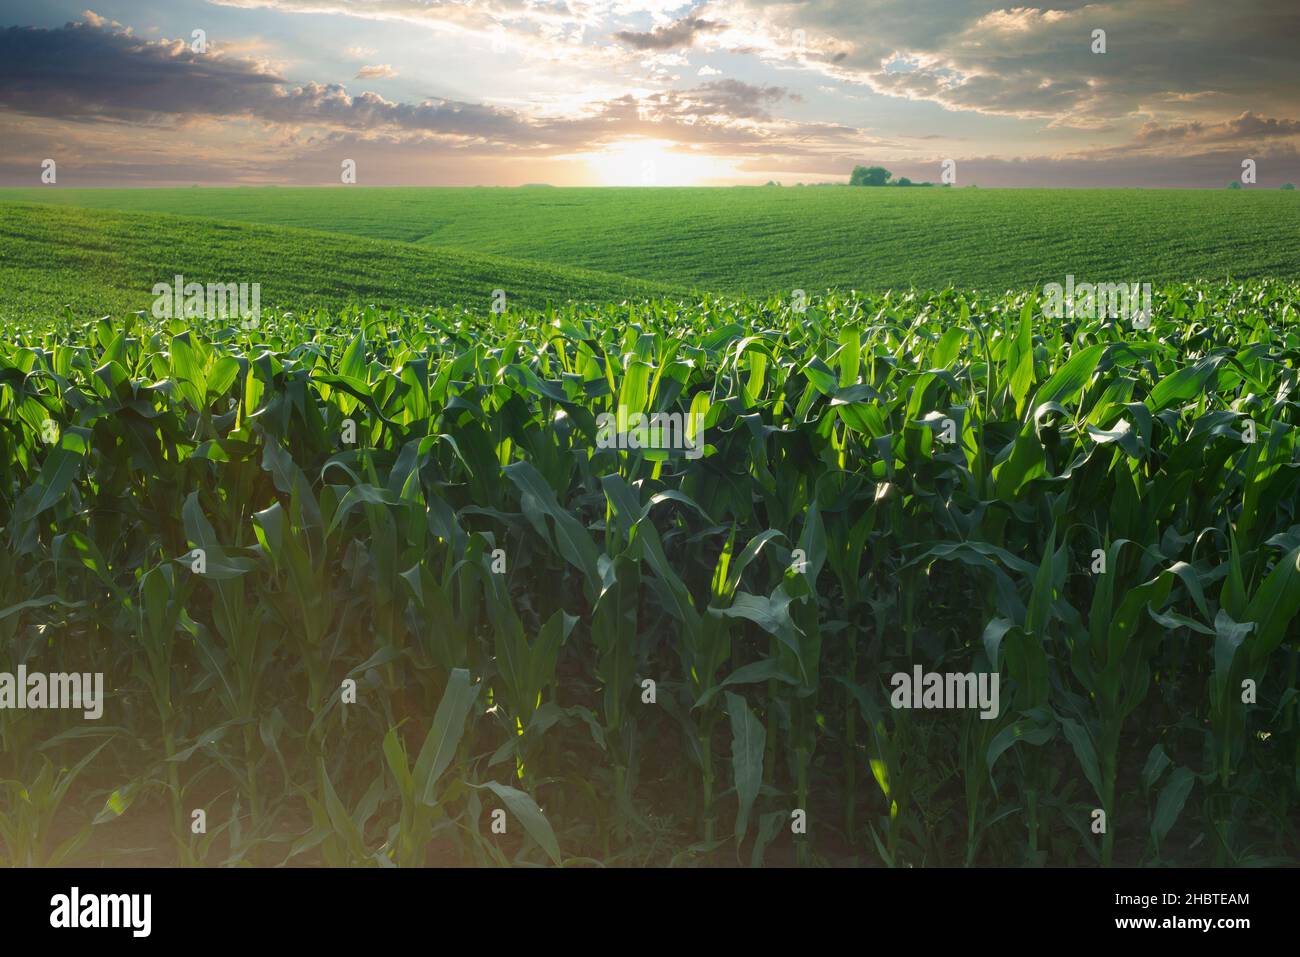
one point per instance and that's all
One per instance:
(30, 810)
(385, 498)
(421, 810)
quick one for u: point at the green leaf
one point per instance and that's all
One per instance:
(1039, 614)
(570, 537)
(748, 739)
(1070, 379)
(1229, 636)
(1021, 362)
(445, 734)
(1185, 384)
(40, 602)
(1170, 803)
(353, 365)
(1086, 751)
(1273, 606)
(756, 671)
(1024, 730)
(772, 614)
(526, 811)
(1157, 761)
(395, 755)
(56, 476)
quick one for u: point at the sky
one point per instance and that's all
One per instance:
(1169, 93)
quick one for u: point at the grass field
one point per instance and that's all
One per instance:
(754, 241)
(101, 262)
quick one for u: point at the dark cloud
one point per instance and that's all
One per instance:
(679, 33)
(1247, 127)
(1036, 61)
(87, 72)
(729, 99)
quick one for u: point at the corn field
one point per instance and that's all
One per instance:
(366, 589)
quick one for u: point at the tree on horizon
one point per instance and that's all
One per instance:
(869, 176)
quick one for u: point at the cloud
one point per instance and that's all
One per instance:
(1248, 127)
(1171, 102)
(1026, 60)
(1017, 21)
(722, 99)
(476, 16)
(679, 33)
(95, 20)
(1036, 62)
(113, 84)
(88, 70)
(83, 72)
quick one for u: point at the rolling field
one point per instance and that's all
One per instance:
(768, 241)
(101, 262)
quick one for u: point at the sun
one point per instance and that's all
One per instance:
(649, 162)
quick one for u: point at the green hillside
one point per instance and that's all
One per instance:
(101, 262)
(768, 240)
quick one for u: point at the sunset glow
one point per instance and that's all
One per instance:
(645, 92)
(647, 162)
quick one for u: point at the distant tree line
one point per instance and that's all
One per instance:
(879, 176)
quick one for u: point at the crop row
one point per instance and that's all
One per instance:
(368, 588)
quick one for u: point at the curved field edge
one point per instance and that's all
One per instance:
(89, 263)
(759, 241)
